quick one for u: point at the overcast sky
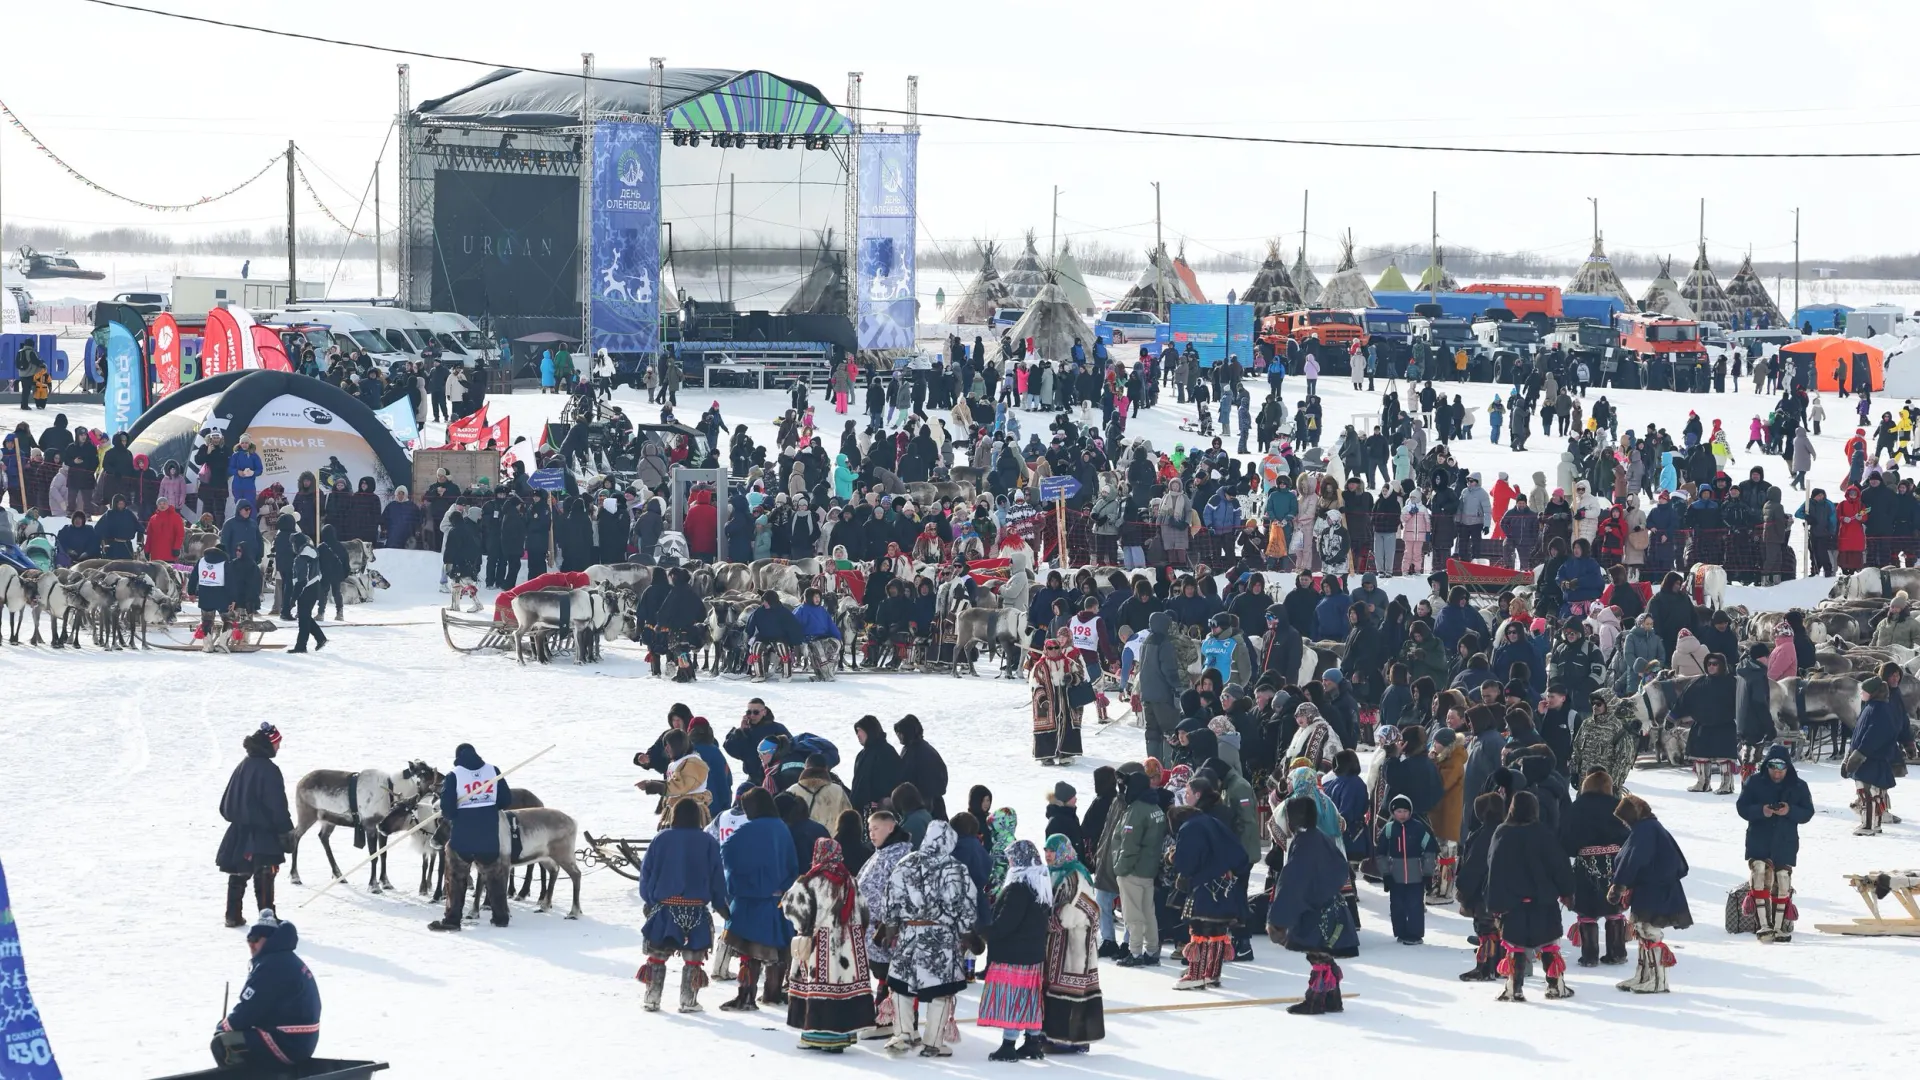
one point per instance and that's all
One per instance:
(168, 111)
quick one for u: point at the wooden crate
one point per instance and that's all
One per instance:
(463, 467)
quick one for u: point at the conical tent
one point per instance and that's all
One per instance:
(1347, 288)
(1663, 296)
(1703, 293)
(1187, 276)
(1392, 280)
(1435, 278)
(1026, 277)
(825, 290)
(1159, 286)
(1596, 277)
(1272, 289)
(1304, 280)
(669, 289)
(1073, 283)
(1752, 307)
(1052, 323)
(984, 293)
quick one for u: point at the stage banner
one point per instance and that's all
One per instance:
(24, 1051)
(889, 166)
(626, 237)
(165, 334)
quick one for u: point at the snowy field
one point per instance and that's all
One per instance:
(116, 765)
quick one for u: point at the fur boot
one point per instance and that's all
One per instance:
(775, 992)
(692, 978)
(653, 975)
(1702, 775)
(1554, 966)
(1726, 779)
(1589, 934)
(456, 902)
(743, 998)
(1515, 967)
(1870, 807)
(1650, 977)
(1783, 909)
(1205, 955)
(933, 1041)
(236, 897)
(1616, 940)
(905, 1024)
(263, 886)
(1486, 960)
(1315, 1002)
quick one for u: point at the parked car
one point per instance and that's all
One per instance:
(146, 303)
(1121, 327)
(1004, 318)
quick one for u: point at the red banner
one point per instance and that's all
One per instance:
(165, 335)
(500, 434)
(466, 432)
(223, 347)
(273, 354)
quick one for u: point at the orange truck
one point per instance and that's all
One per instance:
(1313, 326)
(1535, 303)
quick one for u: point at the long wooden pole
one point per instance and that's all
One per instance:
(421, 824)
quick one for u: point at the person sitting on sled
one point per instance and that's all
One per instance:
(277, 1019)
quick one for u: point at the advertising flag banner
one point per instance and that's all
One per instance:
(165, 334)
(24, 1051)
(399, 419)
(626, 237)
(122, 400)
(223, 346)
(889, 164)
(466, 430)
(268, 349)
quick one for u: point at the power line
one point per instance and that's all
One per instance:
(1103, 129)
(15, 120)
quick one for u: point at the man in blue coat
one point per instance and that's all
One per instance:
(1774, 802)
(680, 878)
(1646, 880)
(471, 799)
(760, 865)
(1872, 755)
(277, 1019)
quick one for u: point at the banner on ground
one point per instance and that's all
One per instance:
(884, 265)
(165, 335)
(626, 238)
(399, 419)
(1214, 330)
(25, 1053)
(123, 365)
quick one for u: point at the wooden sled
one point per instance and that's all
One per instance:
(1902, 885)
(493, 636)
(621, 856)
(244, 647)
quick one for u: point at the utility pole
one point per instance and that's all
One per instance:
(1159, 246)
(729, 238)
(292, 278)
(1433, 253)
(402, 174)
(1596, 218)
(379, 277)
(1796, 261)
(1053, 239)
(1303, 222)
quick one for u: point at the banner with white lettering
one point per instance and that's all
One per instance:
(25, 1053)
(626, 237)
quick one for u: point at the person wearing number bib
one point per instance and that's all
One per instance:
(213, 590)
(470, 799)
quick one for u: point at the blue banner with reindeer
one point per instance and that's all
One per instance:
(626, 238)
(25, 1053)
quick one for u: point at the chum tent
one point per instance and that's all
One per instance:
(1663, 295)
(1830, 353)
(1703, 293)
(1752, 307)
(1072, 282)
(1347, 288)
(1159, 287)
(1053, 324)
(298, 423)
(824, 292)
(1596, 277)
(1187, 276)
(1272, 289)
(1435, 278)
(984, 293)
(1305, 282)
(1392, 280)
(1025, 279)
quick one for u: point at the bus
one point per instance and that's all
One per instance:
(1539, 304)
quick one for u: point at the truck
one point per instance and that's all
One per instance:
(1658, 336)
(1444, 335)
(1497, 335)
(193, 297)
(1537, 304)
(1315, 327)
(1391, 332)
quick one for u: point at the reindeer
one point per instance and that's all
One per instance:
(432, 840)
(549, 838)
(538, 614)
(1654, 706)
(16, 595)
(361, 801)
(621, 575)
(66, 608)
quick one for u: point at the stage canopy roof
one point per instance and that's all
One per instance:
(698, 99)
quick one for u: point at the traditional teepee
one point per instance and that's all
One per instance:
(1073, 283)
(1305, 281)
(1752, 307)
(984, 293)
(1347, 288)
(1435, 278)
(825, 290)
(1187, 276)
(1703, 293)
(1052, 322)
(1272, 289)
(1596, 277)
(1026, 277)
(1159, 286)
(1392, 280)
(1663, 296)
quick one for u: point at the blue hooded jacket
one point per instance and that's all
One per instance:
(682, 863)
(1775, 839)
(280, 998)
(760, 866)
(476, 828)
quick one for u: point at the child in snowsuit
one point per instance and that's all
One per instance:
(1407, 857)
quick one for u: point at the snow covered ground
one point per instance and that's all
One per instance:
(116, 764)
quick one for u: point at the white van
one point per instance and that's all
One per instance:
(350, 331)
(460, 338)
(406, 332)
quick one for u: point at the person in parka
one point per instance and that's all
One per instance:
(1592, 836)
(1875, 748)
(928, 906)
(277, 1019)
(471, 798)
(1646, 880)
(760, 866)
(1752, 712)
(1640, 643)
(1774, 802)
(259, 829)
(1307, 913)
(1899, 627)
(1527, 875)
(681, 877)
(1713, 741)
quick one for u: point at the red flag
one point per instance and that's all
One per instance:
(165, 334)
(466, 431)
(273, 354)
(500, 434)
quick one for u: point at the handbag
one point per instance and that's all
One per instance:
(1851, 764)
(1741, 918)
(1080, 695)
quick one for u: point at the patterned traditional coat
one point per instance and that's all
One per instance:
(873, 893)
(1609, 740)
(930, 905)
(1073, 1005)
(828, 980)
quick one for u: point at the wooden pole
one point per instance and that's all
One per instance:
(373, 854)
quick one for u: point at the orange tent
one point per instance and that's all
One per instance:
(1831, 352)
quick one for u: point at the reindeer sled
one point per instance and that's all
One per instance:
(622, 856)
(1873, 887)
(550, 615)
(314, 1069)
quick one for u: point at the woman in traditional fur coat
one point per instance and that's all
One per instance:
(890, 844)
(829, 991)
(1592, 835)
(1074, 1018)
(1056, 722)
(928, 908)
(1308, 914)
(1527, 874)
(1646, 881)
